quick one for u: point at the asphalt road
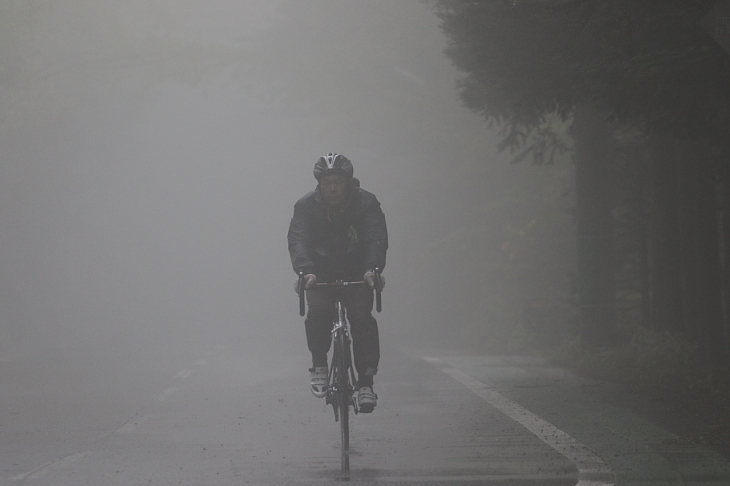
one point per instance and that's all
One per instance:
(220, 414)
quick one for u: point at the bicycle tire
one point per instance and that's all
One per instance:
(343, 400)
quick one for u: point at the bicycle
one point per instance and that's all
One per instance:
(341, 377)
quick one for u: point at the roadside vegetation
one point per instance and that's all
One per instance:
(613, 256)
(631, 101)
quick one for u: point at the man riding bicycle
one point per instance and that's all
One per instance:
(338, 232)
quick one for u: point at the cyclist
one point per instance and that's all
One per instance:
(338, 232)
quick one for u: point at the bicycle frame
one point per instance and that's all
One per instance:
(340, 393)
(341, 362)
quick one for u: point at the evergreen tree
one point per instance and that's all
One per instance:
(610, 67)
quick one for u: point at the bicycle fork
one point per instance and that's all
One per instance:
(336, 391)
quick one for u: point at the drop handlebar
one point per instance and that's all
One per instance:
(341, 284)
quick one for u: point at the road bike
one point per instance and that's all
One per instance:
(341, 380)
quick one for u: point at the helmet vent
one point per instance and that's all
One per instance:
(330, 160)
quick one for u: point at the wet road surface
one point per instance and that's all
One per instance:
(221, 415)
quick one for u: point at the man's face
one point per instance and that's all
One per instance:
(333, 189)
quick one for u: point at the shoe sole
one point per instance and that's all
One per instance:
(319, 395)
(366, 407)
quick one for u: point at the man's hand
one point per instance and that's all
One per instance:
(309, 280)
(370, 277)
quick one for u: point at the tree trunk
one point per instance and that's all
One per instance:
(707, 325)
(687, 285)
(644, 250)
(666, 275)
(686, 184)
(723, 234)
(596, 294)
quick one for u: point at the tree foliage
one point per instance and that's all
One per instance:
(651, 71)
(648, 64)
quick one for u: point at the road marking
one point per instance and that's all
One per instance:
(49, 467)
(166, 393)
(184, 373)
(499, 478)
(534, 479)
(127, 427)
(592, 470)
(131, 424)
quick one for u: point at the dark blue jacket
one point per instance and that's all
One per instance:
(341, 246)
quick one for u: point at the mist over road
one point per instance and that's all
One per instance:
(152, 152)
(223, 413)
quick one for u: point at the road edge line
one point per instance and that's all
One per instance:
(592, 470)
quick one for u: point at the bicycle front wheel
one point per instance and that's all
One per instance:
(343, 399)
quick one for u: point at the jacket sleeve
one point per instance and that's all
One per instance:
(377, 231)
(300, 240)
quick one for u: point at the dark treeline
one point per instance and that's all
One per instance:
(646, 91)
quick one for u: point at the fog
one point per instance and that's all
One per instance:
(152, 154)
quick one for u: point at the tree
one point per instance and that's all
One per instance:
(511, 56)
(639, 66)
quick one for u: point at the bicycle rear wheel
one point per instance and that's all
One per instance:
(343, 399)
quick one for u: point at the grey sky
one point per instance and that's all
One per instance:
(148, 197)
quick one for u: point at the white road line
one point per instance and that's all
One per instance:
(499, 478)
(432, 479)
(184, 373)
(166, 393)
(127, 427)
(131, 424)
(48, 467)
(592, 470)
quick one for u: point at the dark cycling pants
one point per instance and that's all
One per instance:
(358, 303)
